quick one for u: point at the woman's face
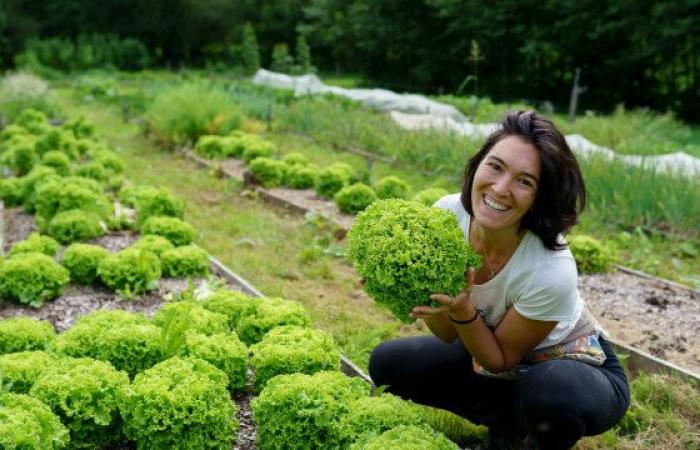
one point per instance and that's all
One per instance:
(505, 185)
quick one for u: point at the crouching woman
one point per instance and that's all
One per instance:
(517, 350)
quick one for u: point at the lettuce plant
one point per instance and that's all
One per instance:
(82, 261)
(406, 251)
(331, 179)
(130, 271)
(85, 394)
(406, 437)
(127, 340)
(233, 304)
(300, 176)
(211, 146)
(27, 423)
(175, 230)
(32, 278)
(300, 411)
(29, 183)
(153, 243)
(11, 190)
(19, 155)
(391, 187)
(75, 225)
(129, 195)
(25, 333)
(180, 404)
(270, 313)
(267, 171)
(19, 371)
(255, 146)
(429, 196)
(36, 243)
(185, 261)
(225, 351)
(591, 255)
(68, 193)
(155, 203)
(292, 349)
(295, 159)
(58, 161)
(354, 198)
(374, 415)
(194, 316)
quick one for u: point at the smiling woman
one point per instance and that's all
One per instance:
(518, 349)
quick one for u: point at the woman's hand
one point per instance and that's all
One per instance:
(459, 307)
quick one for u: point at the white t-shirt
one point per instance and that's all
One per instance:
(541, 284)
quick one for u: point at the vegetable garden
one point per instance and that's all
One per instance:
(135, 313)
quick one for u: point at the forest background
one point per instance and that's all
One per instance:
(637, 53)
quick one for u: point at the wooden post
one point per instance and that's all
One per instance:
(576, 90)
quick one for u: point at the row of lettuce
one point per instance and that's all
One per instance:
(166, 382)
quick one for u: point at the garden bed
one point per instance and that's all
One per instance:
(656, 316)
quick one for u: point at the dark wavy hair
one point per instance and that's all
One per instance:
(561, 192)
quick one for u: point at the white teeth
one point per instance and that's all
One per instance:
(493, 204)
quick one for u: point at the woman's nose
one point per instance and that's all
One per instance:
(501, 185)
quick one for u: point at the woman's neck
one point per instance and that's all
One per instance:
(498, 244)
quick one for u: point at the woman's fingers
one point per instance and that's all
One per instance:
(422, 312)
(442, 299)
(469, 277)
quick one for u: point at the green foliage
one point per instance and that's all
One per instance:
(332, 179)
(429, 196)
(19, 371)
(225, 351)
(85, 394)
(213, 146)
(23, 90)
(301, 411)
(300, 177)
(254, 146)
(27, 423)
(25, 333)
(179, 404)
(270, 313)
(406, 251)
(11, 191)
(185, 261)
(292, 349)
(173, 229)
(56, 139)
(233, 304)
(250, 51)
(19, 155)
(295, 159)
(130, 271)
(194, 316)
(154, 244)
(161, 202)
(282, 61)
(36, 243)
(303, 56)
(69, 193)
(82, 261)
(407, 437)
(377, 414)
(32, 278)
(35, 121)
(58, 161)
(28, 184)
(75, 225)
(126, 340)
(354, 198)
(267, 171)
(591, 255)
(184, 113)
(391, 187)
(130, 195)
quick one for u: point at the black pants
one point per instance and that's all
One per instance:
(555, 402)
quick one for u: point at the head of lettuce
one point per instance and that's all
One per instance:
(406, 251)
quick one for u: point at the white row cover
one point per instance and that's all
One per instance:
(416, 112)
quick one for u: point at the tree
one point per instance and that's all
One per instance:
(250, 51)
(303, 53)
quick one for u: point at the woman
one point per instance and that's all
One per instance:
(517, 350)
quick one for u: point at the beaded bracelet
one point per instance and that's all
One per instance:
(465, 322)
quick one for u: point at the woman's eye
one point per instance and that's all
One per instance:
(493, 166)
(526, 182)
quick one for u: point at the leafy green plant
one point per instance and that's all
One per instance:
(127, 340)
(57, 160)
(175, 230)
(354, 198)
(25, 333)
(153, 243)
(377, 414)
(56, 139)
(82, 261)
(179, 403)
(36, 243)
(429, 196)
(267, 171)
(63, 194)
(19, 156)
(28, 184)
(75, 225)
(21, 91)
(26, 422)
(270, 313)
(225, 351)
(195, 316)
(129, 195)
(85, 394)
(185, 261)
(304, 411)
(250, 51)
(298, 176)
(184, 113)
(295, 159)
(130, 271)
(11, 190)
(32, 278)
(254, 146)
(406, 437)
(292, 349)
(406, 251)
(331, 179)
(19, 371)
(233, 304)
(591, 255)
(157, 203)
(391, 187)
